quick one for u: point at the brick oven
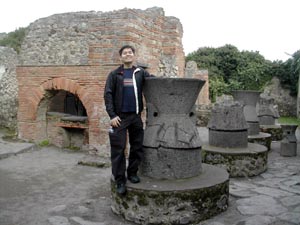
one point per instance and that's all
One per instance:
(64, 62)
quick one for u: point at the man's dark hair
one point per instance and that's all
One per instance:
(126, 46)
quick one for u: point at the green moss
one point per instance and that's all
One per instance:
(9, 134)
(74, 148)
(44, 143)
(125, 205)
(142, 200)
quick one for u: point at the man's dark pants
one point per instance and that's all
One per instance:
(133, 123)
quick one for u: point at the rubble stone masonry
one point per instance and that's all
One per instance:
(8, 88)
(74, 52)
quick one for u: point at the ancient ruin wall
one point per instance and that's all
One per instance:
(287, 105)
(74, 52)
(93, 38)
(8, 88)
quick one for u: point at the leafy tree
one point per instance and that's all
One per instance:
(229, 69)
(217, 87)
(14, 39)
(227, 61)
(288, 72)
(205, 58)
(253, 71)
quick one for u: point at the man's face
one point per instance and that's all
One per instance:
(127, 56)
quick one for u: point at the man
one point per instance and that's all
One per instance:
(124, 104)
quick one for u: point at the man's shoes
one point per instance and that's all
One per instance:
(134, 179)
(121, 189)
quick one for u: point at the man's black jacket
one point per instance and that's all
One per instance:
(113, 92)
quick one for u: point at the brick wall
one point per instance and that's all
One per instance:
(84, 81)
(46, 65)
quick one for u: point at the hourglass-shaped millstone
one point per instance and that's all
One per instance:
(172, 151)
(172, 146)
(288, 145)
(228, 142)
(249, 99)
(227, 125)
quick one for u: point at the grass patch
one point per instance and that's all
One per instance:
(289, 120)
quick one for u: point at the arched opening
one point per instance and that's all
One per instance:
(66, 120)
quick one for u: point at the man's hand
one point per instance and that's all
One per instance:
(115, 122)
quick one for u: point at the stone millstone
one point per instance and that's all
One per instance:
(181, 201)
(163, 163)
(227, 125)
(239, 162)
(261, 138)
(175, 187)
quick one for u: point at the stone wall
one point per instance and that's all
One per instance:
(74, 52)
(8, 88)
(93, 38)
(192, 71)
(287, 105)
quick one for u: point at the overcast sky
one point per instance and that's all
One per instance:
(271, 27)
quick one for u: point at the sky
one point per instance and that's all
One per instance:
(271, 27)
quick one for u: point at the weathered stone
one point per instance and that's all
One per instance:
(274, 130)
(272, 192)
(292, 217)
(291, 200)
(172, 149)
(261, 138)
(228, 141)
(58, 220)
(249, 99)
(260, 205)
(170, 115)
(257, 219)
(287, 104)
(58, 208)
(239, 162)
(8, 88)
(172, 143)
(227, 126)
(80, 221)
(166, 163)
(288, 145)
(158, 201)
(267, 111)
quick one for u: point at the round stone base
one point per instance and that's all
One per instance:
(274, 130)
(239, 162)
(262, 139)
(180, 201)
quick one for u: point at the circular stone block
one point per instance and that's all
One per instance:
(166, 163)
(262, 139)
(181, 201)
(239, 162)
(228, 139)
(253, 128)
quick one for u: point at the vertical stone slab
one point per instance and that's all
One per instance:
(288, 145)
(249, 99)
